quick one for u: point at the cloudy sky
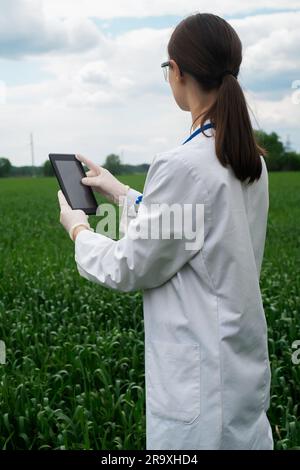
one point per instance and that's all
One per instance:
(85, 76)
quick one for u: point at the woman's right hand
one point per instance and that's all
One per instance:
(102, 181)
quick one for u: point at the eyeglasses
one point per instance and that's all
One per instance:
(165, 68)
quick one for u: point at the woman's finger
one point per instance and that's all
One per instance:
(62, 201)
(91, 173)
(91, 165)
(90, 181)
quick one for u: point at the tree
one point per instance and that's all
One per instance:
(113, 164)
(5, 167)
(48, 169)
(291, 162)
(274, 147)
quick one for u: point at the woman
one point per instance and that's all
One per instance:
(206, 355)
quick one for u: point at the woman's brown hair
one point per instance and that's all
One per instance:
(208, 48)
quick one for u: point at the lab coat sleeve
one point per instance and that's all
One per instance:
(128, 210)
(136, 262)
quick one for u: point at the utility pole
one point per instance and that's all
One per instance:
(32, 153)
(288, 146)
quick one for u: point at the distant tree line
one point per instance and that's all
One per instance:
(112, 163)
(279, 158)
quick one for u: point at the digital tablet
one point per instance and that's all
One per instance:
(69, 172)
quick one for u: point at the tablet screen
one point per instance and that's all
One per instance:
(69, 172)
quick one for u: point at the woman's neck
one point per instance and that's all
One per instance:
(197, 116)
(199, 105)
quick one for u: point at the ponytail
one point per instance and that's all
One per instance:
(234, 137)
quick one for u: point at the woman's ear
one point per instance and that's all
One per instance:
(176, 70)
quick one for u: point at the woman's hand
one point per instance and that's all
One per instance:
(102, 181)
(71, 219)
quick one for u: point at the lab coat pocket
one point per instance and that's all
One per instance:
(173, 380)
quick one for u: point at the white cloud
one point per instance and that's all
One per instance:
(121, 68)
(95, 73)
(143, 8)
(108, 94)
(118, 71)
(270, 43)
(281, 116)
(270, 51)
(283, 113)
(276, 53)
(26, 30)
(135, 127)
(252, 28)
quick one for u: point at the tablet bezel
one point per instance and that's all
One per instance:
(54, 157)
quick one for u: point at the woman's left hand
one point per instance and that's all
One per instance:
(69, 218)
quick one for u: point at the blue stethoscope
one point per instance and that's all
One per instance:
(196, 132)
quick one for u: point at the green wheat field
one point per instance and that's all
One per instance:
(74, 372)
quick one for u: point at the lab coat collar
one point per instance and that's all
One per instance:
(195, 133)
(205, 122)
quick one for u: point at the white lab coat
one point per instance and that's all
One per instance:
(207, 371)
